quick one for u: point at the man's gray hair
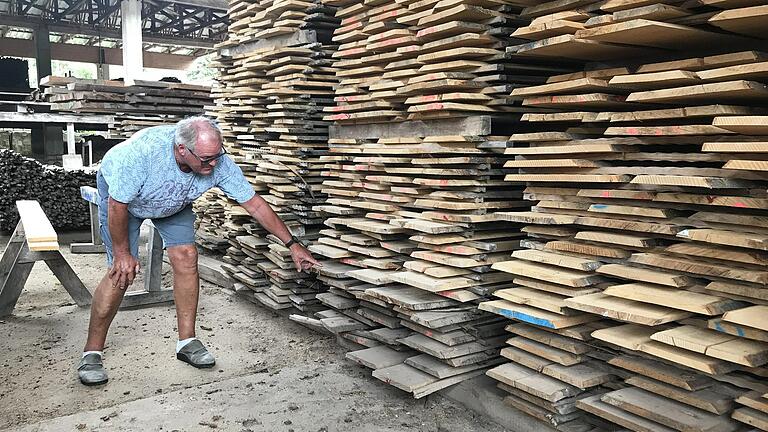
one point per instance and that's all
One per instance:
(188, 129)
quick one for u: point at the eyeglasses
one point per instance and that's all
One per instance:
(207, 161)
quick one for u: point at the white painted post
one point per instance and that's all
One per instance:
(70, 138)
(133, 54)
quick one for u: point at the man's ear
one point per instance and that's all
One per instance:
(182, 149)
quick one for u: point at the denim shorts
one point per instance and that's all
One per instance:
(176, 230)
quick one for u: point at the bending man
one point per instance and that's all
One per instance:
(156, 175)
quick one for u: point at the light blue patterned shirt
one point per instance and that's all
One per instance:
(142, 172)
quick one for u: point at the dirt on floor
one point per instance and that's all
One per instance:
(271, 374)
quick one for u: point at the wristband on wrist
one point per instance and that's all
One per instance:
(292, 241)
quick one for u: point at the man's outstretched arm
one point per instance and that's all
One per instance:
(266, 217)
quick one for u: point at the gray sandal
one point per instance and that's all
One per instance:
(91, 370)
(195, 354)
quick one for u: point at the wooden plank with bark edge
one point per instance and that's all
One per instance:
(535, 316)
(684, 379)
(673, 298)
(753, 316)
(625, 310)
(668, 412)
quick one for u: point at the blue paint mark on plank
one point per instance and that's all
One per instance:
(527, 318)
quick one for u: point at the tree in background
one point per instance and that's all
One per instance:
(200, 71)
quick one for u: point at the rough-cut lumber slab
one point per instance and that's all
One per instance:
(687, 358)
(535, 298)
(654, 34)
(373, 276)
(746, 125)
(625, 310)
(572, 47)
(737, 330)
(715, 344)
(427, 363)
(553, 274)
(530, 381)
(404, 377)
(628, 336)
(717, 399)
(716, 92)
(668, 412)
(700, 268)
(754, 400)
(582, 375)
(752, 417)
(596, 406)
(753, 316)
(646, 275)
(546, 352)
(548, 338)
(747, 21)
(663, 372)
(378, 357)
(436, 349)
(673, 298)
(409, 297)
(576, 263)
(535, 316)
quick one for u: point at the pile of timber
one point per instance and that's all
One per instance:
(144, 104)
(276, 77)
(428, 60)
(57, 190)
(646, 250)
(415, 177)
(210, 226)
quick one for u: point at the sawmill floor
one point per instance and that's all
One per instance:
(271, 374)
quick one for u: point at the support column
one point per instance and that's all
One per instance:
(47, 140)
(133, 60)
(102, 69)
(42, 52)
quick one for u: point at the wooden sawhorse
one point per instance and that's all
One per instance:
(38, 243)
(91, 195)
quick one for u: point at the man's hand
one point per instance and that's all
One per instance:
(302, 258)
(123, 271)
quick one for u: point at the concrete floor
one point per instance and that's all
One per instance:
(271, 374)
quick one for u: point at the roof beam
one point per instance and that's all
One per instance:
(90, 54)
(211, 4)
(107, 33)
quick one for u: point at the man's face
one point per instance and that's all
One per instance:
(204, 157)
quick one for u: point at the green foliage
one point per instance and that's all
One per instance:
(200, 72)
(75, 69)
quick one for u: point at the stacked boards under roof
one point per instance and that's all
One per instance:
(414, 183)
(649, 224)
(276, 77)
(135, 107)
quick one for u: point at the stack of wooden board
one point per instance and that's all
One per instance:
(428, 59)
(411, 212)
(210, 232)
(272, 19)
(144, 104)
(128, 124)
(649, 181)
(276, 76)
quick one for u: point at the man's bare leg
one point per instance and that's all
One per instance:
(186, 287)
(106, 301)
(186, 292)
